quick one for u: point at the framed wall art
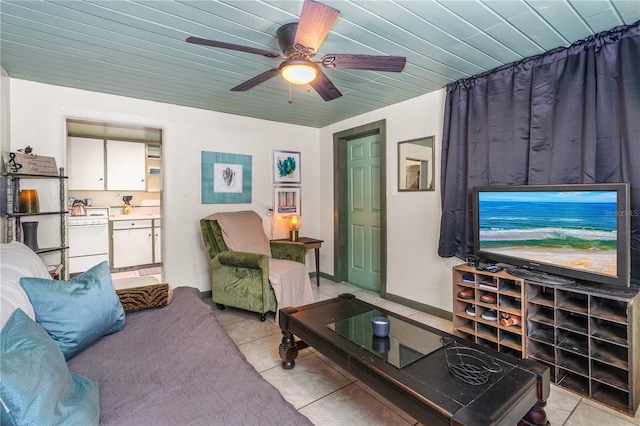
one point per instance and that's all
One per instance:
(226, 178)
(286, 200)
(286, 167)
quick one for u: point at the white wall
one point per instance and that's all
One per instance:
(38, 115)
(5, 133)
(5, 110)
(414, 269)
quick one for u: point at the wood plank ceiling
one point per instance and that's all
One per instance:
(137, 48)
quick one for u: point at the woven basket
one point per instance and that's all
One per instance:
(472, 366)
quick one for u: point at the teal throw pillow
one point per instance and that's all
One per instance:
(37, 387)
(77, 312)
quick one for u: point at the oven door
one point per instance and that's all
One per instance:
(88, 246)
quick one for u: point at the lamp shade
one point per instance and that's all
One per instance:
(299, 71)
(28, 201)
(294, 223)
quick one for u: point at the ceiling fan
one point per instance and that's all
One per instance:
(299, 42)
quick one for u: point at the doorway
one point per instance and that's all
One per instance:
(360, 206)
(115, 171)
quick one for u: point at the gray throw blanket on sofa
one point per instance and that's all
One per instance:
(177, 366)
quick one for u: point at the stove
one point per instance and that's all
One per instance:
(88, 239)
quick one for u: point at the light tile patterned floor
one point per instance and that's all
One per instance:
(137, 277)
(329, 396)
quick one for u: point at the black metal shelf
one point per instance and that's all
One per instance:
(51, 249)
(33, 176)
(19, 215)
(9, 200)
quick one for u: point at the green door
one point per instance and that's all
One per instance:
(364, 239)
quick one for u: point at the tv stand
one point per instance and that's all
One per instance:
(586, 334)
(540, 277)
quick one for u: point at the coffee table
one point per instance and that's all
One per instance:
(410, 368)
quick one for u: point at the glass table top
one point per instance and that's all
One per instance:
(405, 344)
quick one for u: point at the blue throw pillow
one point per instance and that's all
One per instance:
(37, 387)
(77, 312)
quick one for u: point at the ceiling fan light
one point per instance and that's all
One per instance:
(299, 71)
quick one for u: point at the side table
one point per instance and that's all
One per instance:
(310, 243)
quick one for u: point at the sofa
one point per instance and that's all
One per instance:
(71, 355)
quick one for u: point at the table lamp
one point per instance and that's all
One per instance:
(28, 201)
(294, 223)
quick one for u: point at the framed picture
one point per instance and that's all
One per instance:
(226, 178)
(286, 167)
(286, 200)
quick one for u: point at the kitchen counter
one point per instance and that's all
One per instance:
(133, 216)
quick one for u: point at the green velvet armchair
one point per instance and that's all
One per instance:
(240, 279)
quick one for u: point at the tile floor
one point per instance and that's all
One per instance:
(137, 277)
(329, 396)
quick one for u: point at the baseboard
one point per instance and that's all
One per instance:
(392, 297)
(325, 275)
(441, 313)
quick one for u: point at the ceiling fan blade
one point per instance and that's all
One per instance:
(260, 78)
(231, 46)
(364, 62)
(325, 87)
(316, 19)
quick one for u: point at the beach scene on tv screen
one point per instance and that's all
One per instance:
(573, 229)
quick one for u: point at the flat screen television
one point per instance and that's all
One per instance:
(550, 232)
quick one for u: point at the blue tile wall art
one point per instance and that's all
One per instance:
(226, 178)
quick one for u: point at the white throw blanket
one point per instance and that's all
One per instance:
(290, 282)
(243, 231)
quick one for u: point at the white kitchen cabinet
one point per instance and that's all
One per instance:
(157, 241)
(85, 164)
(126, 166)
(121, 168)
(132, 242)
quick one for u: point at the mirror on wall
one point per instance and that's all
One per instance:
(416, 159)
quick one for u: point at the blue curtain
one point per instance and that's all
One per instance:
(571, 115)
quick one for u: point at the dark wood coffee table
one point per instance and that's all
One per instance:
(424, 387)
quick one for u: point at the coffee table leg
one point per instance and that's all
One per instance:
(288, 350)
(536, 416)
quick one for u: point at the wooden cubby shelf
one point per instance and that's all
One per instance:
(500, 292)
(587, 334)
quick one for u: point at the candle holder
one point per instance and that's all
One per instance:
(28, 201)
(380, 326)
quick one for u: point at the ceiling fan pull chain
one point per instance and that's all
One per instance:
(290, 100)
